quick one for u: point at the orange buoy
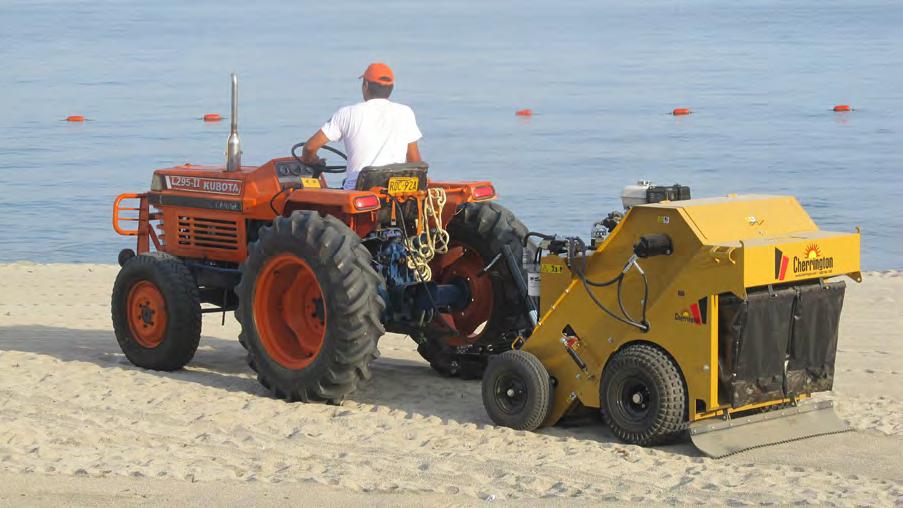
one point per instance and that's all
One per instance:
(212, 117)
(681, 111)
(524, 112)
(842, 107)
(75, 118)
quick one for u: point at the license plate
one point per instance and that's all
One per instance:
(310, 183)
(403, 184)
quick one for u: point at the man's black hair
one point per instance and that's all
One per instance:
(378, 91)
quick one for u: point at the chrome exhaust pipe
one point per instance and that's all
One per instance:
(233, 145)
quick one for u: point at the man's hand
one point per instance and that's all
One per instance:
(309, 153)
(314, 161)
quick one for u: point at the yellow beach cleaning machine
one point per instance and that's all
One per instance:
(717, 317)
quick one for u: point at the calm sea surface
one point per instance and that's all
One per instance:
(761, 78)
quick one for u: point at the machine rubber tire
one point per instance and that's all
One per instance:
(525, 375)
(646, 374)
(171, 284)
(348, 285)
(486, 228)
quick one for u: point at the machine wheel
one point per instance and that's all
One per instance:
(309, 308)
(643, 397)
(517, 390)
(478, 232)
(156, 311)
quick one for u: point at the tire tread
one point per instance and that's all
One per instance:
(538, 380)
(183, 307)
(668, 424)
(349, 281)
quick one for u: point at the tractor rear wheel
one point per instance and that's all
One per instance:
(643, 397)
(517, 390)
(309, 308)
(478, 233)
(156, 312)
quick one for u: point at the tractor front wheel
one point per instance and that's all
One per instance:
(156, 311)
(643, 396)
(309, 308)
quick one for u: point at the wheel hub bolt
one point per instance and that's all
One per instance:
(147, 315)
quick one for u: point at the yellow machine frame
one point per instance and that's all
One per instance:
(721, 246)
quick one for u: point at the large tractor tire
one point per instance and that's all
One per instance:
(156, 312)
(517, 390)
(309, 308)
(456, 343)
(644, 400)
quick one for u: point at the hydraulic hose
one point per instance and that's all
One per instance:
(575, 245)
(537, 255)
(538, 235)
(521, 285)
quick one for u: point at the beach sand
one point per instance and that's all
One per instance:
(80, 425)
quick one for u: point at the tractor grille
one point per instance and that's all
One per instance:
(206, 233)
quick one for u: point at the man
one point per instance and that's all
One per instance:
(376, 132)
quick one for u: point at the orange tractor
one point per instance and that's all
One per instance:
(316, 275)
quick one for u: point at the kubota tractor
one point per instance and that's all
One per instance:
(316, 275)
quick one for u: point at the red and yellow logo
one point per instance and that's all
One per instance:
(697, 314)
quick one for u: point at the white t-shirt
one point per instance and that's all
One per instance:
(376, 132)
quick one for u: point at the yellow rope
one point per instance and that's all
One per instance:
(423, 248)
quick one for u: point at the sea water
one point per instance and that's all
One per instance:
(601, 77)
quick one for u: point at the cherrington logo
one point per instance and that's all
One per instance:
(198, 184)
(812, 261)
(697, 314)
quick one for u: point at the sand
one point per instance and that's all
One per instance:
(80, 425)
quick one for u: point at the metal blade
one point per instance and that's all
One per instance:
(720, 438)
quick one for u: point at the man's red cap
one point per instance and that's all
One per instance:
(379, 73)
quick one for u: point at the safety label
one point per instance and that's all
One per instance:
(550, 268)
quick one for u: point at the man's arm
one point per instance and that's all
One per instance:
(413, 152)
(309, 152)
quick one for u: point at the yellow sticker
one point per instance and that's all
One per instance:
(312, 183)
(663, 219)
(547, 268)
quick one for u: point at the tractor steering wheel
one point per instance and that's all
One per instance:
(318, 170)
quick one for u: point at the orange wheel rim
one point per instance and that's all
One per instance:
(147, 314)
(463, 262)
(290, 312)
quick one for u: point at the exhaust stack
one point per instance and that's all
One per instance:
(233, 145)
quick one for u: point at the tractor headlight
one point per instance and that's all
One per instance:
(157, 183)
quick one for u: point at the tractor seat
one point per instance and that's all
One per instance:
(378, 176)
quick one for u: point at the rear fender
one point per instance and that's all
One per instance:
(342, 201)
(465, 192)
(354, 208)
(459, 193)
